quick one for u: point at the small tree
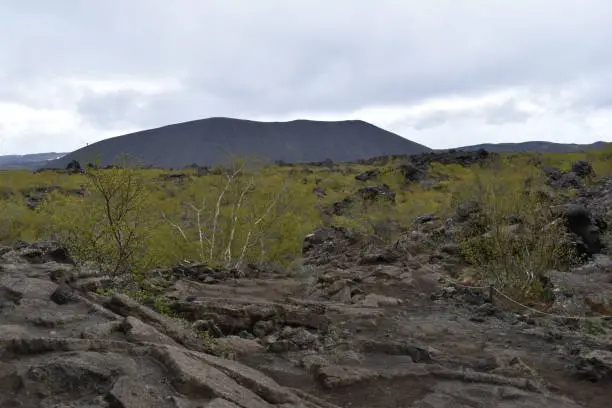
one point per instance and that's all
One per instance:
(107, 225)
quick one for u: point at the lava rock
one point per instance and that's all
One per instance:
(411, 172)
(583, 169)
(579, 222)
(368, 175)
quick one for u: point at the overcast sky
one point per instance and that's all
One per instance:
(440, 72)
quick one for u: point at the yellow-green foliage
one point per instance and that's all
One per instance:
(384, 220)
(601, 160)
(17, 222)
(244, 216)
(109, 226)
(376, 220)
(449, 171)
(563, 161)
(513, 256)
(277, 209)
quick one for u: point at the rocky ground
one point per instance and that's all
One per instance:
(355, 325)
(354, 328)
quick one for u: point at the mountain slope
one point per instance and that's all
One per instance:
(212, 141)
(535, 146)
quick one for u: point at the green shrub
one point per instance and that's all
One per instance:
(516, 239)
(108, 226)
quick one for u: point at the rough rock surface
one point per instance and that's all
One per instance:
(583, 169)
(580, 222)
(368, 175)
(422, 160)
(83, 352)
(589, 214)
(375, 326)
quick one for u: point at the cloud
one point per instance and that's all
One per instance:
(116, 65)
(114, 103)
(487, 112)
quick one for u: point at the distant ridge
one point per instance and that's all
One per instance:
(27, 161)
(535, 146)
(212, 141)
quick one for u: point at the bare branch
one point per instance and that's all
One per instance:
(230, 179)
(175, 225)
(235, 209)
(257, 222)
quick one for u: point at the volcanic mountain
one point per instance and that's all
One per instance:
(214, 140)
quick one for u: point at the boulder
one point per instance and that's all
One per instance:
(583, 169)
(466, 210)
(376, 193)
(411, 173)
(553, 173)
(368, 175)
(580, 223)
(568, 180)
(452, 156)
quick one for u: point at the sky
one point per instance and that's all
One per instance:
(444, 73)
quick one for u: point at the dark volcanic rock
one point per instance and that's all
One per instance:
(572, 179)
(61, 350)
(368, 175)
(583, 169)
(41, 252)
(320, 236)
(199, 170)
(425, 218)
(464, 158)
(466, 210)
(74, 166)
(346, 332)
(553, 173)
(63, 295)
(595, 365)
(34, 197)
(580, 223)
(411, 172)
(568, 180)
(375, 193)
(340, 207)
(177, 177)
